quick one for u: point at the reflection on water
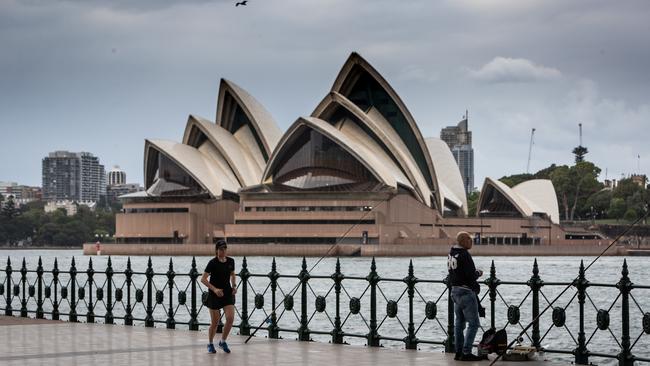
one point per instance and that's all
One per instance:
(552, 270)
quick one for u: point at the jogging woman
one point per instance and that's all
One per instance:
(222, 289)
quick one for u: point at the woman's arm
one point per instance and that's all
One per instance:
(206, 282)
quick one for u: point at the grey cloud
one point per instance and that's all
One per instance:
(614, 131)
(58, 67)
(141, 5)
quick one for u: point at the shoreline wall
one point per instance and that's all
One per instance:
(343, 250)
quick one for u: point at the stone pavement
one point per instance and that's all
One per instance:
(25, 342)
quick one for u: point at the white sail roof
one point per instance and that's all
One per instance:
(261, 125)
(447, 172)
(354, 68)
(540, 196)
(239, 158)
(192, 161)
(529, 198)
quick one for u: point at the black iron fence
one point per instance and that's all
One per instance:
(410, 311)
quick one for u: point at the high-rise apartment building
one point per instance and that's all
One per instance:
(73, 176)
(116, 176)
(459, 140)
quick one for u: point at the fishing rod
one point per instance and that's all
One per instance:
(571, 284)
(336, 242)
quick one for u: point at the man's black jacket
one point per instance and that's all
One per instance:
(462, 271)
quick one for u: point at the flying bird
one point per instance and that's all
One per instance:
(241, 3)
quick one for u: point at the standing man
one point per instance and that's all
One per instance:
(222, 287)
(464, 291)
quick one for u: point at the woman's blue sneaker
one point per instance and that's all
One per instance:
(224, 346)
(211, 348)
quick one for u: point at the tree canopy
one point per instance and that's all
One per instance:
(580, 195)
(31, 225)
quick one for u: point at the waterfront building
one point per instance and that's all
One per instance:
(639, 179)
(70, 207)
(21, 194)
(192, 188)
(356, 171)
(459, 140)
(7, 189)
(73, 176)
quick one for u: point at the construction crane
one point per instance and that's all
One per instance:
(530, 150)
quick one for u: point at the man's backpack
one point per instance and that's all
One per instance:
(493, 341)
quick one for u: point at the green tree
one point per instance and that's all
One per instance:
(563, 185)
(600, 201)
(33, 225)
(546, 172)
(637, 201)
(616, 208)
(574, 184)
(33, 205)
(9, 210)
(626, 188)
(630, 215)
(515, 179)
(3, 230)
(59, 216)
(12, 228)
(472, 203)
(45, 234)
(580, 152)
(586, 175)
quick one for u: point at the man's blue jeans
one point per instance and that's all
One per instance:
(466, 311)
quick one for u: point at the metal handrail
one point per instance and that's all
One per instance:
(72, 292)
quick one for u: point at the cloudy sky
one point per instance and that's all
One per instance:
(101, 76)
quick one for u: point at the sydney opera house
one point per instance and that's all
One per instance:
(357, 170)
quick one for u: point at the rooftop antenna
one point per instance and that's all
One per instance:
(638, 164)
(530, 150)
(580, 127)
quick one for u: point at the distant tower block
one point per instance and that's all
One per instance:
(73, 176)
(459, 140)
(116, 176)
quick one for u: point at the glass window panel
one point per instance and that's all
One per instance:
(496, 204)
(314, 162)
(172, 180)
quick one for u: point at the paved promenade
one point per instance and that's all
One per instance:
(43, 342)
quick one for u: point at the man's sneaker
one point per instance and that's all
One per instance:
(211, 348)
(458, 356)
(471, 357)
(224, 346)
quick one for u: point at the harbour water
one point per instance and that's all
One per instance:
(556, 272)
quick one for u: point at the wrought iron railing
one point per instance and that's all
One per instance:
(375, 303)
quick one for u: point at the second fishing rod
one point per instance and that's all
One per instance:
(572, 284)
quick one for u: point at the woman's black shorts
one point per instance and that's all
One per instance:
(214, 302)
